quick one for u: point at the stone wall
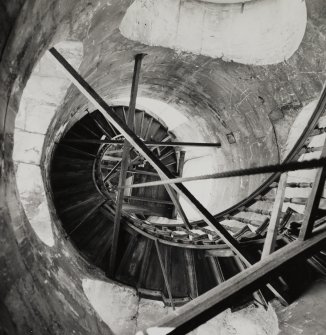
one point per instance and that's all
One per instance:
(41, 286)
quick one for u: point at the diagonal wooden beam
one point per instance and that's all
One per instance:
(125, 162)
(273, 226)
(313, 200)
(138, 144)
(216, 300)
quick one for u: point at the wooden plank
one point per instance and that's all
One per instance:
(257, 295)
(145, 263)
(181, 162)
(147, 143)
(166, 281)
(313, 200)
(215, 301)
(125, 162)
(216, 269)
(191, 272)
(273, 226)
(138, 144)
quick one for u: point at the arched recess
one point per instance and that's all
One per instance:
(43, 94)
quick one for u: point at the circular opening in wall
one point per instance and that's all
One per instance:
(141, 202)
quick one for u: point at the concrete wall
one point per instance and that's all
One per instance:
(307, 314)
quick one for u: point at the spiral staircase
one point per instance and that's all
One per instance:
(84, 177)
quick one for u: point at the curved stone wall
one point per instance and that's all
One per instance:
(41, 288)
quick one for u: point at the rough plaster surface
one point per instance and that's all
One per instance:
(33, 198)
(248, 321)
(117, 305)
(298, 126)
(259, 32)
(121, 310)
(306, 316)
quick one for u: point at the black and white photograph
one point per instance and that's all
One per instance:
(162, 167)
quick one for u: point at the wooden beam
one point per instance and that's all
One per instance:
(166, 281)
(215, 301)
(147, 143)
(177, 206)
(313, 200)
(145, 263)
(125, 162)
(273, 226)
(257, 295)
(280, 168)
(181, 162)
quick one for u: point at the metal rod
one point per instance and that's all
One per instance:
(292, 166)
(313, 200)
(125, 162)
(148, 143)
